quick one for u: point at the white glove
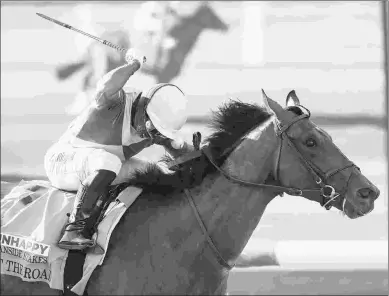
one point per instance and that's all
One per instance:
(177, 143)
(134, 54)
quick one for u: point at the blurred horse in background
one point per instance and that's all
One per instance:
(172, 36)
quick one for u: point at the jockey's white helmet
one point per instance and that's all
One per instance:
(167, 109)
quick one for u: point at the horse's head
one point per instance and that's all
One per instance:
(309, 160)
(207, 17)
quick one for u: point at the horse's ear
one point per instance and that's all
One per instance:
(292, 99)
(273, 106)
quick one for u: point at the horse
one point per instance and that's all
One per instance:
(184, 232)
(185, 31)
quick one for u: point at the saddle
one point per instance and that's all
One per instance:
(32, 217)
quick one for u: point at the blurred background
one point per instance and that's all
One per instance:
(331, 52)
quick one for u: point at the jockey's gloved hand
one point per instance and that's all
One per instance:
(135, 54)
(160, 139)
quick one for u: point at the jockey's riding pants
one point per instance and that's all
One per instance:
(67, 166)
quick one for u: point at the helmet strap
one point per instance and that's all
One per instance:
(139, 115)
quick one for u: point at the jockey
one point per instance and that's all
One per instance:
(98, 148)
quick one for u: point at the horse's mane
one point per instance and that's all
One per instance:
(229, 123)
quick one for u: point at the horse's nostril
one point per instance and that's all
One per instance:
(365, 192)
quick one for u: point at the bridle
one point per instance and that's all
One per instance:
(325, 194)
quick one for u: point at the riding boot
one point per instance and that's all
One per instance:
(88, 205)
(94, 219)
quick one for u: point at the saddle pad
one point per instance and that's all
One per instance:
(31, 225)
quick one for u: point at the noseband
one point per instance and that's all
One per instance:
(324, 195)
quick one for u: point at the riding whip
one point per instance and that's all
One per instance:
(105, 42)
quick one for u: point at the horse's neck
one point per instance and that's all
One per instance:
(188, 25)
(231, 211)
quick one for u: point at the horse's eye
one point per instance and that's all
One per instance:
(310, 143)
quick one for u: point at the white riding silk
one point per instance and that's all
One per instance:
(67, 167)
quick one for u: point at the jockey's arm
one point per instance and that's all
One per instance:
(111, 85)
